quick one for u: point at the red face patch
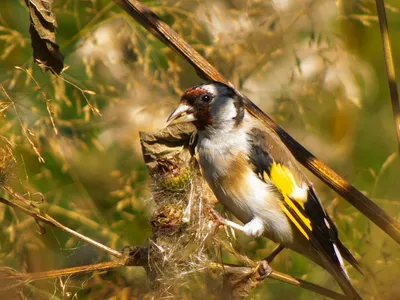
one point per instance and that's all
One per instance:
(193, 93)
(194, 98)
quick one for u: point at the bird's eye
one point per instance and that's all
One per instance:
(205, 98)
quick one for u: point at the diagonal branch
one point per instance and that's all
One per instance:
(205, 70)
(390, 69)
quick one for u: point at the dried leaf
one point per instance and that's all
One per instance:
(165, 144)
(42, 29)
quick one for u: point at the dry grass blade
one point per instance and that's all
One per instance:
(390, 69)
(152, 22)
(39, 217)
(19, 279)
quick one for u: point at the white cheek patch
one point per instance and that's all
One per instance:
(223, 110)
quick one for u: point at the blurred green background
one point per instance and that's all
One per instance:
(317, 67)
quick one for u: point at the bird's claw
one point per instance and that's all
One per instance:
(264, 269)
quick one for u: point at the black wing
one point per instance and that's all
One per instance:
(274, 163)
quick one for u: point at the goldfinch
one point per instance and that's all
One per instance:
(255, 176)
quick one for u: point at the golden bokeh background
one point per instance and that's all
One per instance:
(70, 143)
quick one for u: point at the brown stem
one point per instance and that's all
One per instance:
(390, 69)
(247, 273)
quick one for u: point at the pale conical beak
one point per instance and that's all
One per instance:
(182, 114)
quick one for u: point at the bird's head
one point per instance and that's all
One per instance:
(210, 105)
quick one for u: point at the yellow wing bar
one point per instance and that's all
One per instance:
(294, 197)
(294, 221)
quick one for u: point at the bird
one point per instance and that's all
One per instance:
(255, 176)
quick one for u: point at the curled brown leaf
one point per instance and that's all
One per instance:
(42, 29)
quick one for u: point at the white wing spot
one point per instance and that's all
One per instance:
(327, 223)
(299, 194)
(339, 256)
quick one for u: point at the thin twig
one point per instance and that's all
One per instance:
(306, 285)
(390, 69)
(205, 70)
(280, 277)
(44, 218)
(25, 278)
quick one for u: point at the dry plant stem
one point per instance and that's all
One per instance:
(390, 69)
(25, 278)
(306, 285)
(49, 220)
(205, 70)
(287, 279)
(87, 222)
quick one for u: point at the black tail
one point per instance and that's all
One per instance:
(348, 256)
(325, 240)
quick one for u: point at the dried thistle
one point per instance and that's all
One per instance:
(182, 226)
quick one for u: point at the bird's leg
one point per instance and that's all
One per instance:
(226, 222)
(263, 266)
(254, 228)
(274, 253)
